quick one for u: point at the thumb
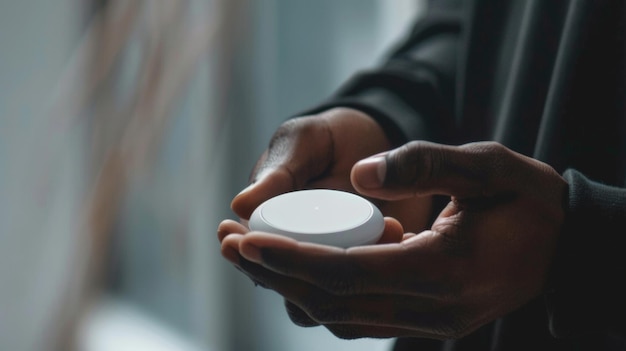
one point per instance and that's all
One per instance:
(276, 181)
(423, 168)
(298, 151)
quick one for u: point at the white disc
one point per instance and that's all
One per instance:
(322, 216)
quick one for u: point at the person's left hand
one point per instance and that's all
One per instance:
(488, 252)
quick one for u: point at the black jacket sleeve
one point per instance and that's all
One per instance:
(411, 95)
(589, 280)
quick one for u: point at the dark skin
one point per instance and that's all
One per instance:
(488, 252)
(319, 152)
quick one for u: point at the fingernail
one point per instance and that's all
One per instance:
(370, 173)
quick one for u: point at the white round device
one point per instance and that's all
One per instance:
(322, 216)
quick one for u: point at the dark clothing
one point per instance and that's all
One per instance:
(547, 79)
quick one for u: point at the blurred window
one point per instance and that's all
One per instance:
(126, 127)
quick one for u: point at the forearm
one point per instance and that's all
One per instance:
(411, 94)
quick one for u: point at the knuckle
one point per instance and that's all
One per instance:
(452, 326)
(441, 321)
(493, 161)
(283, 132)
(299, 127)
(326, 314)
(323, 311)
(401, 166)
(458, 330)
(409, 164)
(498, 156)
(298, 316)
(486, 151)
(302, 147)
(345, 332)
(342, 286)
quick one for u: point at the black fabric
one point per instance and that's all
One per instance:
(547, 79)
(589, 295)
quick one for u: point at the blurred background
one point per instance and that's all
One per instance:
(125, 129)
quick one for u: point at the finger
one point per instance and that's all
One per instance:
(300, 150)
(356, 331)
(230, 248)
(392, 233)
(413, 213)
(298, 316)
(277, 181)
(408, 236)
(413, 267)
(371, 313)
(423, 168)
(228, 226)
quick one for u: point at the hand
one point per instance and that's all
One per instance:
(488, 252)
(319, 152)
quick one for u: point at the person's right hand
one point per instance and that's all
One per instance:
(319, 151)
(490, 250)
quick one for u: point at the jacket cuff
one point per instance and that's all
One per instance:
(588, 283)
